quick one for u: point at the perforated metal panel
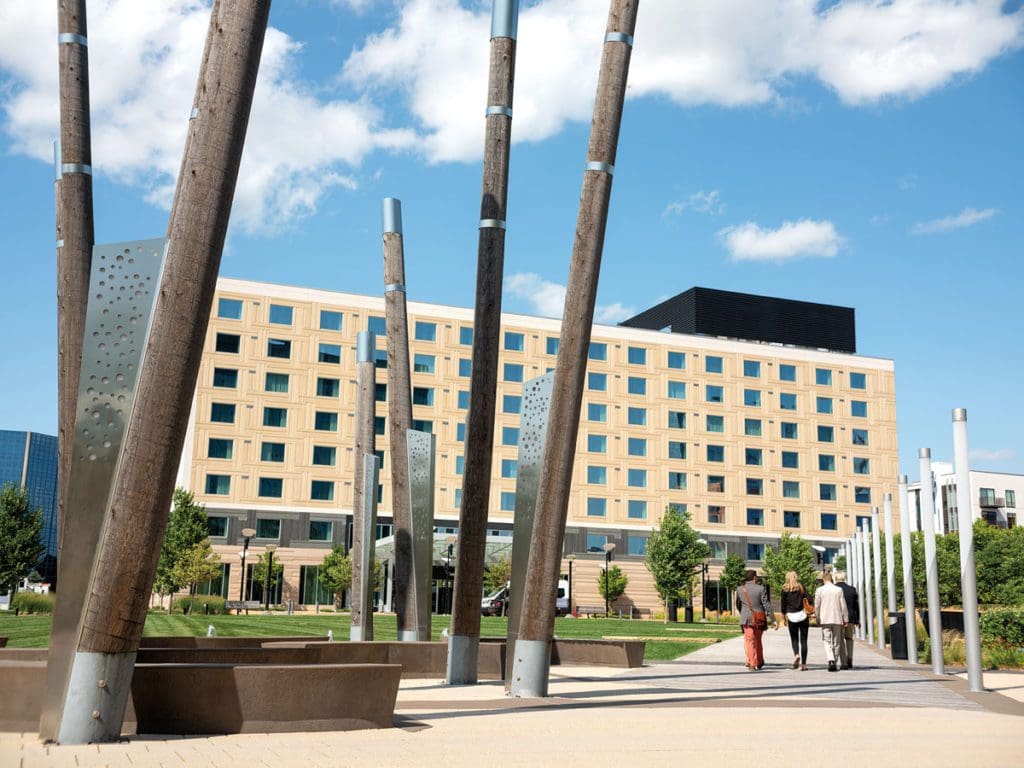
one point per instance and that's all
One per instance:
(420, 449)
(371, 474)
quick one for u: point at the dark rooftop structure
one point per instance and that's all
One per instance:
(710, 312)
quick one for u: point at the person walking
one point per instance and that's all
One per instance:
(794, 614)
(853, 611)
(755, 614)
(830, 608)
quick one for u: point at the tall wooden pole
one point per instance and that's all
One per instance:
(464, 642)
(366, 443)
(125, 565)
(399, 416)
(74, 231)
(533, 648)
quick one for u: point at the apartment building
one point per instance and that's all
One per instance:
(992, 496)
(752, 437)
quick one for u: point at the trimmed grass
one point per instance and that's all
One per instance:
(34, 631)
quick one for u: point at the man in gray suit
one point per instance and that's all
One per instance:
(751, 598)
(853, 614)
(830, 608)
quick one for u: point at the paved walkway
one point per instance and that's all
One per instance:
(665, 714)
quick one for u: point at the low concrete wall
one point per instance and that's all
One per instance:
(24, 654)
(209, 699)
(185, 641)
(22, 687)
(600, 653)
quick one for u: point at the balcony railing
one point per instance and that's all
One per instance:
(992, 501)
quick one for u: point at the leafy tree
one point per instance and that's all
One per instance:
(840, 563)
(614, 586)
(336, 572)
(999, 561)
(197, 564)
(259, 573)
(186, 528)
(21, 528)
(794, 554)
(496, 575)
(674, 552)
(734, 571)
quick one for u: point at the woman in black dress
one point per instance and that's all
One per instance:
(796, 618)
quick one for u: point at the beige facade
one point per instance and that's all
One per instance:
(753, 439)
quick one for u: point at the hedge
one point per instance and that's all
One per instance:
(1003, 625)
(32, 602)
(200, 604)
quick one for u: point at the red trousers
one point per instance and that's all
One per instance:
(752, 644)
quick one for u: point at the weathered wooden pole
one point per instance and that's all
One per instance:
(75, 236)
(122, 576)
(366, 444)
(399, 416)
(533, 648)
(464, 642)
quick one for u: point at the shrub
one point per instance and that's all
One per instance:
(200, 604)
(32, 602)
(996, 656)
(1003, 626)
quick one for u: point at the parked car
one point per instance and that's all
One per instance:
(562, 599)
(496, 603)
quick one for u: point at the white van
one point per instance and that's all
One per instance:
(496, 603)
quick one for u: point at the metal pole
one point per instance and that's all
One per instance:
(464, 641)
(703, 591)
(570, 558)
(890, 562)
(851, 559)
(858, 559)
(267, 578)
(865, 542)
(909, 608)
(968, 575)
(363, 534)
(532, 660)
(876, 551)
(931, 562)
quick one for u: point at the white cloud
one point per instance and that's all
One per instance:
(999, 454)
(700, 202)
(792, 240)
(968, 217)
(907, 183)
(547, 299)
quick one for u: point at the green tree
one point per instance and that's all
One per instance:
(840, 563)
(674, 552)
(794, 554)
(336, 572)
(21, 528)
(496, 575)
(734, 571)
(197, 564)
(614, 586)
(999, 561)
(259, 574)
(186, 528)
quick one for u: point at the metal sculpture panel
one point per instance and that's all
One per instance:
(420, 446)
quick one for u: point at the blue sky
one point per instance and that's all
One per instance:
(860, 153)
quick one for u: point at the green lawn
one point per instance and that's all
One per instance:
(679, 639)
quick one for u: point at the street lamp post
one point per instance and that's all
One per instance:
(570, 557)
(247, 534)
(703, 589)
(448, 574)
(270, 570)
(609, 547)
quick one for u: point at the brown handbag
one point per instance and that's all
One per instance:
(759, 618)
(808, 607)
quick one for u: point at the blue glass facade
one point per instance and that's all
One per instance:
(38, 475)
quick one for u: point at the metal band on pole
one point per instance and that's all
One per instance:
(968, 573)
(394, 287)
(71, 38)
(597, 165)
(194, 113)
(391, 215)
(76, 168)
(619, 37)
(492, 224)
(497, 109)
(505, 19)
(366, 344)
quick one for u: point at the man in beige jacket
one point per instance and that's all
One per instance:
(830, 609)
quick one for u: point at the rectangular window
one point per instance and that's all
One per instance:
(509, 468)
(826, 463)
(462, 399)
(551, 345)
(271, 488)
(787, 401)
(826, 434)
(218, 485)
(752, 427)
(508, 501)
(824, 404)
(377, 325)
(790, 518)
(225, 377)
(219, 448)
(511, 404)
(597, 475)
(280, 314)
(859, 436)
(228, 342)
(858, 381)
(275, 417)
(829, 521)
(716, 483)
(752, 397)
(712, 364)
(677, 360)
(379, 425)
(422, 395)
(859, 408)
(457, 500)
(755, 516)
(460, 432)
(788, 430)
(229, 309)
(330, 320)
(380, 358)
(636, 478)
(636, 385)
(510, 435)
(596, 542)
(321, 490)
(676, 450)
(718, 550)
(217, 527)
(755, 486)
(636, 355)
(327, 387)
(864, 522)
(636, 545)
(513, 372)
(460, 464)
(988, 497)
(423, 425)
(321, 530)
(223, 413)
(276, 382)
(714, 394)
(465, 366)
(424, 363)
(329, 353)
(280, 348)
(596, 508)
(677, 390)
(597, 412)
(716, 453)
(676, 420)
(636, 510)
(514, 342)
(597, 381)
(715, 423)
(787, 372)
(755, 552)
(790, 460)
(425, 331)
(636, 416)
(716, 515)
(861, 466)
(861, 495)
(823, 376)
(752, 369)
(677, 481)
(325, 455)
(465, 335)
(268, 529)
(637, 446)
(325, 421)
(753, 457)
(272, 452)
(1011, 498)
(597, 443)
(790, 489)
(598, 351)
(827, 491)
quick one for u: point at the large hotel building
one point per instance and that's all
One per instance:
(753, 414)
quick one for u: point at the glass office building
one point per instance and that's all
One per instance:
(29, 460)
